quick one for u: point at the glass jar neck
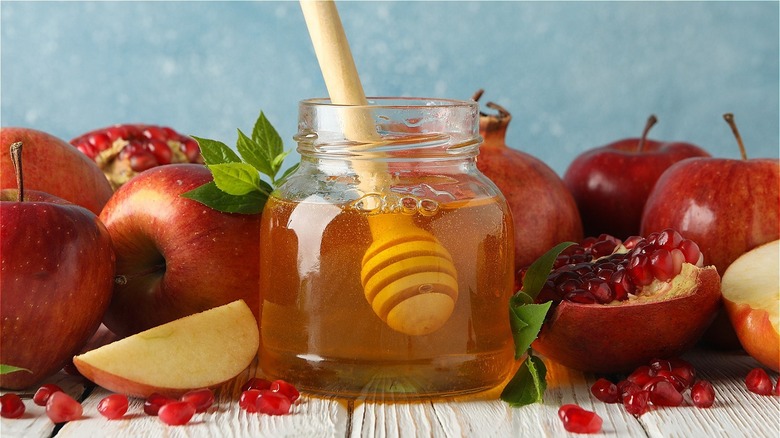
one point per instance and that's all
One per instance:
(389, 130)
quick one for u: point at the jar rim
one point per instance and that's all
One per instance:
(400, 102)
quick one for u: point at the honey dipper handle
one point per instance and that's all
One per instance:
(333, 53)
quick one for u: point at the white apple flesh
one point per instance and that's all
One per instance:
(202, 350)
(751, 296)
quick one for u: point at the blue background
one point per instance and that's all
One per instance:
(575, 75)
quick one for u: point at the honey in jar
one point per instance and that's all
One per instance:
(386, 266)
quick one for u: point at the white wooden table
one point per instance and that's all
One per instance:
(736, 413)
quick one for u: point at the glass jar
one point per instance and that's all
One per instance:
(387, 257)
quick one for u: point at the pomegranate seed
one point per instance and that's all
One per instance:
(702, 394)
(631, 242)
(176, 413)
(11, 406)
(580, 296)
(286, 389)
(248, 400)
(678, 258)
(605, 391)
(600, 291)
(691, 251)
(672, 378)
(566, 408)
(640, 270)
(669, 239)
(202, 399)
(662, 265)
(272, 403)
(61, 408)
(256, 383)
(663, 393)
(758, 381)
(154, 402)
(636, 403)
(627, 387)
(161, 150)
(44, 392)
(684, 371)
(578, 420)
(641, 375)
(113, 406)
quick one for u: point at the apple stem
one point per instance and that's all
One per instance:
(651, 121)
(729, 117)
(16, 159)
(122, 279)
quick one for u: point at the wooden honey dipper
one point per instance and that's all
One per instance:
(408, 277)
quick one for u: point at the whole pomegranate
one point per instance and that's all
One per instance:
(620, 304)
(543, 209)
(122, 151)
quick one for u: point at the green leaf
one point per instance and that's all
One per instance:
(526, 320)
(216, 152)
(7, 369)
(211, 196)
(253, 154)
(238, 186)
(266, 136)
(528, 384)
(236, 178)
(537, 273)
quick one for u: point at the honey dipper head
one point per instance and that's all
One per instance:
(409, 279)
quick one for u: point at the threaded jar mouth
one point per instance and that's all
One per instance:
(389, 129)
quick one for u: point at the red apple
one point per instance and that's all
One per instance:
(175, 256)
(611, 183)
(543, 210)
(55, 283)
(54, 166)
(728, 206)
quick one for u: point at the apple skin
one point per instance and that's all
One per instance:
(726, 206)
(56, 283)
(176, 255)
(756, 333)
(543, 211)
(611, 183)
(53, 166)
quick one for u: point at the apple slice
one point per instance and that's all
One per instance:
(751, 296)
(197, 351)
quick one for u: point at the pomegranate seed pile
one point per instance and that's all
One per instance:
(603, 269)
(663, 382)
(258, 396)
(121, 151)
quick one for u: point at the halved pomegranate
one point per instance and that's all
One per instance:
(620, 304)
(122, 151)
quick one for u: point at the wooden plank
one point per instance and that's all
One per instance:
(309, 417)
(737, 413)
